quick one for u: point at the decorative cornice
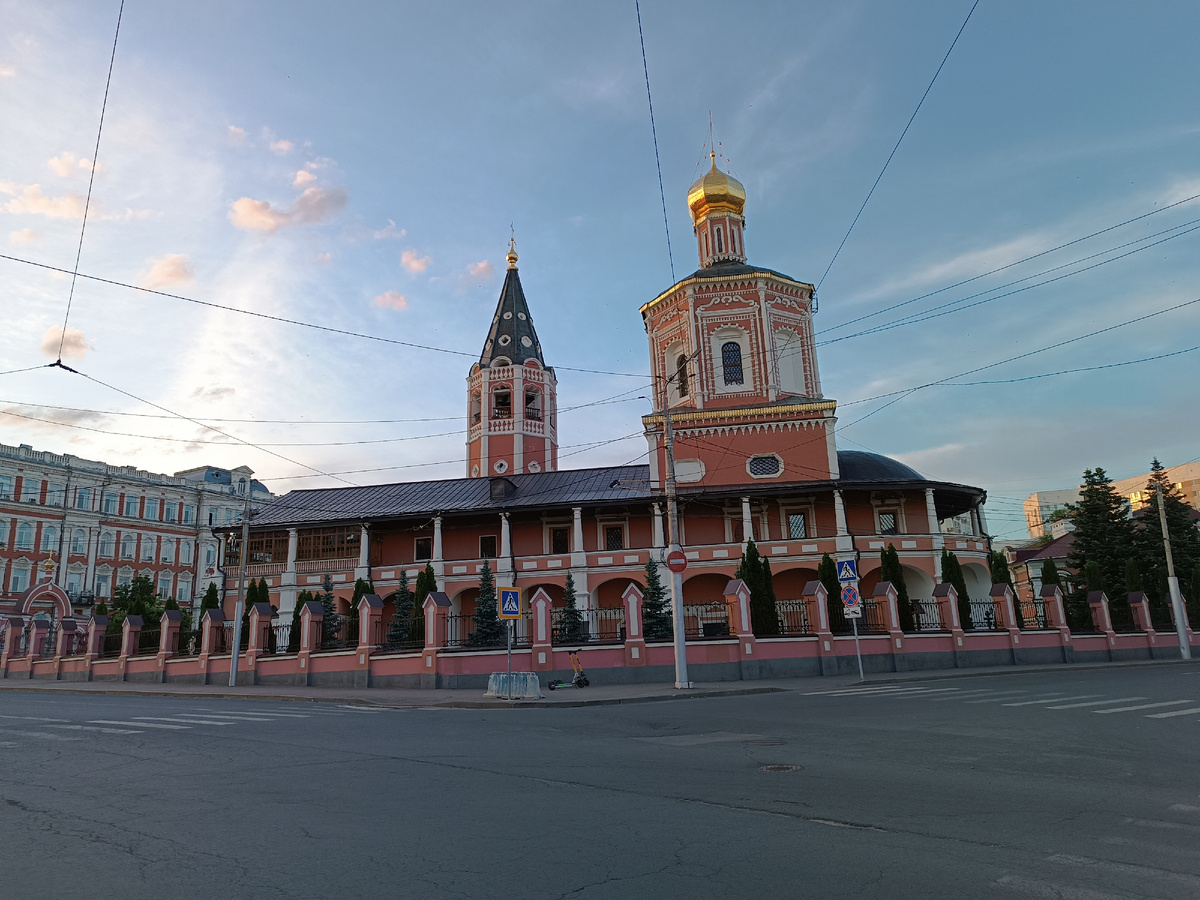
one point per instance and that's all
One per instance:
(725, 279)
(820, 406)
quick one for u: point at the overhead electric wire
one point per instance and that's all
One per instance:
(87, 203)
(654, 133)
(287, 321)
(1010, 265)
(897, 147)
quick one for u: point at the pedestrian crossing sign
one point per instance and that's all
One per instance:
(510, 603)
(847, 570)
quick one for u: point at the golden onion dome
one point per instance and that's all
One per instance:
(716, 191)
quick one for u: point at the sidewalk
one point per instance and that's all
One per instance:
(597, 695)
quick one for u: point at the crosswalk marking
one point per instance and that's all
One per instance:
(97, 728)
(179, 720)
(33, 719)
(1176, 712)
(139, 724)
(1059, 700)
(1101, 712)
(1097, 703)
(1049, 699)
(976, 693)
(38, 734)
(253, 713)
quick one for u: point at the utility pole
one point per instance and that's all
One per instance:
(241, 597)
(681, 672)
(1172, 582)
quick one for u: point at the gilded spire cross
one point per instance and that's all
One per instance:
(511, 256)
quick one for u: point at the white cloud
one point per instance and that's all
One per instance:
(213, 392)
(388, 232)
(172, 269)
(63, 164)
(324, 259)
(413, 263)
(24, 236)
(31, 200)
(282, 147)
(236, 135)
(391, 300)
(312, 207)
(7, 72)
(303, 177)
(1181, 190)
(74, 345)
(482, 269)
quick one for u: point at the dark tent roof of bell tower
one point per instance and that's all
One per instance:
(512, 334)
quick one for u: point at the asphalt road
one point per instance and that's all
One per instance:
(1073, 785)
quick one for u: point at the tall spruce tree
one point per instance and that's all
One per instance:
(657, 624)
(827, 575)
(331, 624)
(294, 635)
(362, 587)
(426, 585)
(489, 632)
(952, 574)
(1133, 576)
(211, 600)
(1104, 534)
(763, 618)
(402, 613)
(570, 620)
(1192, 598)
(998, 567)
(1185, 539)
(891, 570)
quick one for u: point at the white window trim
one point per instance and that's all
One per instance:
(738, 335)
(602, 525)
(890, 506)
(549, 525)
(688, 477)
(758, 520)
(777, 474)
(808, 510)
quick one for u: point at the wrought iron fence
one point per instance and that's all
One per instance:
(838, 623)
(187, 642)
(706, 620)
(460, 632)
(1121, 614)
(50, 641)
(793, 618)
(1160, 614)
(283, 637)
(1033, 614)
(404, 636)
(148, 641)
(594, 626)
(222, 639)
(927, 615)
(111, 645)
(983, 616)
(874, 618)
(340, 637)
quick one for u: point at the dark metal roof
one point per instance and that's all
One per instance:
(512, 333)
(730, 268)
(859, 465)
(617, 484)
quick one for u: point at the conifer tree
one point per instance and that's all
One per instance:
(570, 622)
(403, 613)
(1185, 539)
(1192, 598)
(763, 618)
(426, 585)
(1133, 576)
(827, 575)
(998, 567)
(297, 622)
(891, 570)
(769, 602)
(331, 624)
(1050, 573)
(488, 630)
(657, 624)
(362, 587)
(1103, 534)
(952, 574)
(211, 599)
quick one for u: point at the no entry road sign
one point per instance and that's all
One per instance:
(510, 603)
(676, 561)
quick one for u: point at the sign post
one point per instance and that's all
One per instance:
(510, 609)
(853, 610)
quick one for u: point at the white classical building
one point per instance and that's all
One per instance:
(89, 526)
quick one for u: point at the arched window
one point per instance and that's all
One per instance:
(733, 239)
(185, 553)
(731, 362)
(720, 241)
(789, 359)
(706, 251)
(49, 538)
(167, 551)
(24, 536)
(108, 544)
(681, 374)
(78, 541)
(127, 545)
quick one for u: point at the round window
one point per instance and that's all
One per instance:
(508, 315)
(504, 340)
(501, 466)
(521, 316)
(534, 467)
(761, 466)
(526, 341)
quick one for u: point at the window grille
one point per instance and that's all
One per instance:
(614, 538)
(681, 374)
(731, 362)
(797, 526)
(487, 546)
(887, 523)
(764, 465)
(560, 540)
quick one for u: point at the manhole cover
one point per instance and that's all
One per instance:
(780, 767)
(765, 743)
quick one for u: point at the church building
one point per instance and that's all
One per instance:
(733, 356)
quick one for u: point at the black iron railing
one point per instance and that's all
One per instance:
(594, 626)
(793, 618)
(408, 636)
(983, 616)
(927, 615)
(706, 621)
(1033, 614)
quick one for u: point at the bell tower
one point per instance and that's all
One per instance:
(512, 402)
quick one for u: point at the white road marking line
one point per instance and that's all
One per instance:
(1048, 699)
(178, 719)
(34, 719)
(7, 745)
(233, 718)
(138, 724)
(1183, 807)
(1101, 712)
(1141, 871)
(1097, 703)
(274, 715)
(360, 709)
(40, 734)
(1036, 702)
(976, 694)
(1175, 712)
(97, 728)
(858, 689)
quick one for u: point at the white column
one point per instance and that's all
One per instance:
(747, 521)
(935, 528)
(439, 568)
(293, 549)
(504, 564)
(983, 529)
(656, 534)
(578, 557)
(844, 542)
(975, 520)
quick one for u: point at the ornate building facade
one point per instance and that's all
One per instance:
(732, 351)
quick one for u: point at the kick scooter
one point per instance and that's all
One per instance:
(579, 680)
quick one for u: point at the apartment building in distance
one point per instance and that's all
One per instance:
(88, 526)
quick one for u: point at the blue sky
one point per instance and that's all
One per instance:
(359, 165)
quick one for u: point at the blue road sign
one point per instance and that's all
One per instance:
(851, 602)
(510, 603)
(847, 570)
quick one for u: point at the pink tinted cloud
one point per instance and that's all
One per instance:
(413, 263)
(482, 269)
(391, 300)
(31, 200)
(312, 207)
(74, 346)
(172, 269)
